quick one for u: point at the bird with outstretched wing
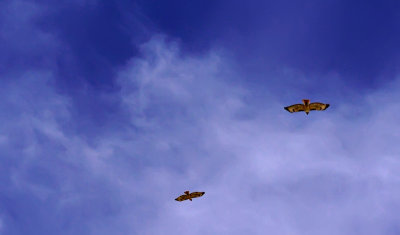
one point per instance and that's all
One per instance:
(189, 196)
(306, 107)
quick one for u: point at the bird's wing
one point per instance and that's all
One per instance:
(196, 194)
(318, 106)
(295, 108)
(182, 198)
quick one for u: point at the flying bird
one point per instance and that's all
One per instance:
(306, 107)
(189, 196)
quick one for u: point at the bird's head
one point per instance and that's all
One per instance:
(306, 102)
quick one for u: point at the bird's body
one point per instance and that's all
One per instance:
(189, 196)
(306, 107)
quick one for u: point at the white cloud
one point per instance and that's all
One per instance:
(276, 172)
(192, 128)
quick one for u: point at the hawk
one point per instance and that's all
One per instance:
(306, 107)
(189, 196)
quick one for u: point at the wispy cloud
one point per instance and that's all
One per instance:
(324, 173)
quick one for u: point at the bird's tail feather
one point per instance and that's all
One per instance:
(306, 102)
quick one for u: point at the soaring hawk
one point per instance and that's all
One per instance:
(189, 196)
(306, 107)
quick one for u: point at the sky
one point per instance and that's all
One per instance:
(109, 110)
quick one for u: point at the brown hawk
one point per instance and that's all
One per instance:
(306, 107)
(189, 196)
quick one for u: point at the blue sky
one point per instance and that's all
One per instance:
(110, 110)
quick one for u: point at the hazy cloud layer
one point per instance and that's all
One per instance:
(263, 171)
(282, 173)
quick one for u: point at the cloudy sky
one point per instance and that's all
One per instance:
(111, 109)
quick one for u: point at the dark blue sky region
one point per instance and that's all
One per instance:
(111, 109)
(356, 39)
